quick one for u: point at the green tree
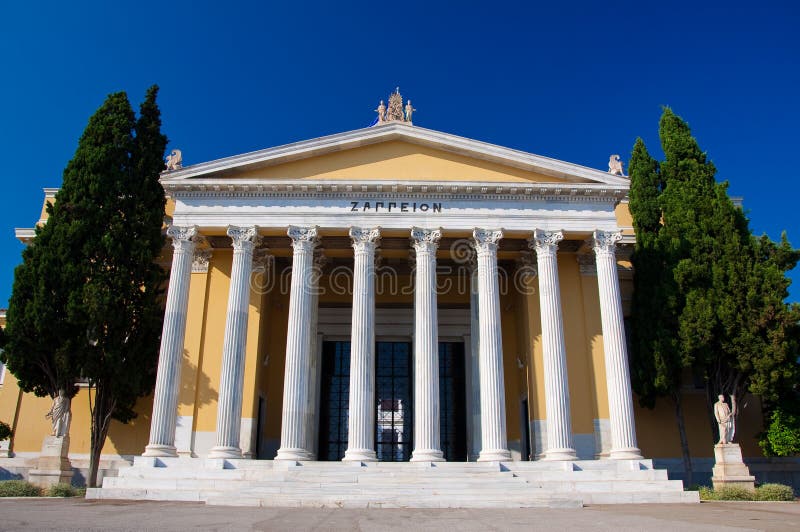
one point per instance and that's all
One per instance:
(118, 306)
(103, 236)
(657, 365)
(719, 307)
(40, 347)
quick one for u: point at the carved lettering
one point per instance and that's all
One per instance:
(384, 206)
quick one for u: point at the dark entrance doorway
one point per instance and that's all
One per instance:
(394, 423)
(394, 412)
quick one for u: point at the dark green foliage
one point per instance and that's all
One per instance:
(709, 298)
(5, 431)
(86, 299)
(114, 191)
(19, 488)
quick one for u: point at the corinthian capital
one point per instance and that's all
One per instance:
(362, 237)
(605, 241)
(244, 238)
(545, 242)
(303, 238)
(425, 239)
(183, 238)
(486, 239)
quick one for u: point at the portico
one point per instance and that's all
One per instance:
(344, 249)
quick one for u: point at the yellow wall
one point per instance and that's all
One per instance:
(32, 425)
(397, 160)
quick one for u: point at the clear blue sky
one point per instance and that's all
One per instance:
(571, 80)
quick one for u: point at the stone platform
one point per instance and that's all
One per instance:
(266, 483)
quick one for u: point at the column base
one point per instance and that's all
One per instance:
(359, 455)
(293, 453)
(628, 453)
(560, 454)
(159, 450)
(234, 453)
(426, 455)
(495, 455)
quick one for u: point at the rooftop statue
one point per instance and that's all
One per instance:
(615, 165)
(394, 112)
(409, 111)
(174, 160)
(381, 110)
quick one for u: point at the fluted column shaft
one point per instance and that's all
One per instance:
(361, 422)
(165, 399)
(427, 439)
(298, 356)
(494, 445)
(229, 407)
(618, 380)
(559, 424)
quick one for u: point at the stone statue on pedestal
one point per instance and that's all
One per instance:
(60, 414)
(725, 420)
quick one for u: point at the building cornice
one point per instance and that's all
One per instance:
(578, 192)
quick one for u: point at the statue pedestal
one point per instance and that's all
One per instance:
(5, 449)
(730, 469)
(53, 465)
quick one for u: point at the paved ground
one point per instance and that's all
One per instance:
(79, 514)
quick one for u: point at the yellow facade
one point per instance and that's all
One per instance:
(267, 328)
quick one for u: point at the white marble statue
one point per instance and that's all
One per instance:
(615, 165)
(60, 414)
(409, 111)
(725, 420)
(174, 160)
(381, 110)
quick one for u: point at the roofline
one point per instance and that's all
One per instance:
(392, 131)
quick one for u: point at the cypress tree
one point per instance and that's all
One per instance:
(120, 300)
(656, 363)
(86, 299)
(719, 308)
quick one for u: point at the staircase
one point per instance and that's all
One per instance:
(394, 484)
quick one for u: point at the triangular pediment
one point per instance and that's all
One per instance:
(394, 152)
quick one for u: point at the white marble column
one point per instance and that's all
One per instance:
(168, 380)
(559, 424)
(361, 422)
(229, 407)
(494, 443)
(427, 440)
(618, 380)
(295, 381)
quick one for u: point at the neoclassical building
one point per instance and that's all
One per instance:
(391, 293)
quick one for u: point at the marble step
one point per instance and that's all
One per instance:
(475, 500)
